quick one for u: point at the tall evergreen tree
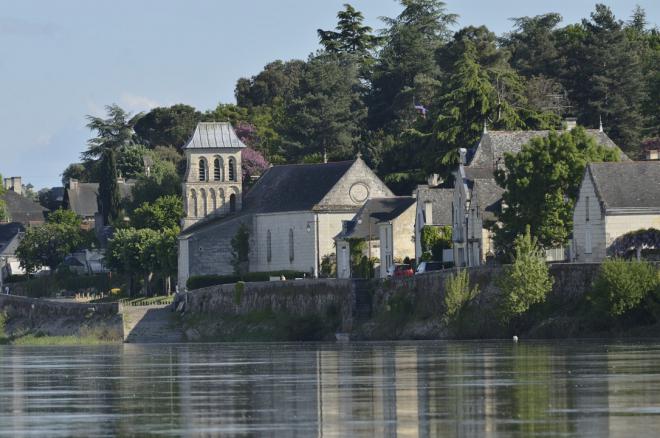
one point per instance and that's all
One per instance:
(603, 76)
(108, 188)
(350, 35)
(114, 132)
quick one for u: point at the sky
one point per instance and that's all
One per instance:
(62, 60)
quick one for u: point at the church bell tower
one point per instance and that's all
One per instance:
(213, 182)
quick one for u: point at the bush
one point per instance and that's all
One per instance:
(621, 285)
(200, 281)
(458, 296)
(526, 281)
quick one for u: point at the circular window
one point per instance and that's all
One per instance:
(359, 192)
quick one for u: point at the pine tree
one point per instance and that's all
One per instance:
(108, 188)
(351, 35)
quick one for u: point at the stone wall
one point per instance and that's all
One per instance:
(296, 297)
(31, 315)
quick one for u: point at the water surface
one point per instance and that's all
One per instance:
(411, 389)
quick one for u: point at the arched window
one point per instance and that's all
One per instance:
(291, 251)
(193, 199)
(202, 194)
(269, 248)
(202, 169)
(232, 169)
(217, 170)
(232, 202)
(214, 200)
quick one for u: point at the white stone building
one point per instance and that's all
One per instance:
(387, 226)
(434, 203)
(477, 197)
(614, 199)
(293, 212)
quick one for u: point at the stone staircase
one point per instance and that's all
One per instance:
(150, 324)
(362, 300)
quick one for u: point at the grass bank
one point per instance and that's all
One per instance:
(37, 340)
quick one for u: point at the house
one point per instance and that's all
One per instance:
(82, 199)
(477, 198)
(292, 213)
(614, 199)
(433, 208)
(386, 225)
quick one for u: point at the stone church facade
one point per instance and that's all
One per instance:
(292, 213)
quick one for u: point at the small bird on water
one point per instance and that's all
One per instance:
(515, 338)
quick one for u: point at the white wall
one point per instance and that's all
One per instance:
(183, 265)
(595, 226)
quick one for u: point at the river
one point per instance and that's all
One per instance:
(403, 389)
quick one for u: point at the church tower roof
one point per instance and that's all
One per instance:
(214, 135)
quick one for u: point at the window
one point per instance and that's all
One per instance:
(586, 208)
(202, 170)
(291, 251)
(217, 170)
(269, 248)
(232, 170)
(587, 240)
(232, 203)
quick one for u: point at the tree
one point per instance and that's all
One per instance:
(83, 172)
(604, 77)
(278, 80)
(541, 186)
(50, 243)
(240, 250)
(108, 189)
(168, 126)
(458, 297)
(325, 116)
(526, 281)
(165, 212)
(410, 42)
(351, 35)
(4, 214)
(112, 133)
(635, 241)
(163, 181)
(130, 161)
(253, 164)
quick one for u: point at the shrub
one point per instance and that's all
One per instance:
(458, 295)
(239, 287)
(526, 281)
(621, 285)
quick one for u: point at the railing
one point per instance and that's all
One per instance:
(147, 301)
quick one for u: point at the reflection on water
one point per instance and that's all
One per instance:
(424, 389)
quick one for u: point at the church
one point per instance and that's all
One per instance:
(292, 213)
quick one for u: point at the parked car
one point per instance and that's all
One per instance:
(402, 271)
(429, 266)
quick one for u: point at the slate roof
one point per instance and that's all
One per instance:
(494, 144)
(22, 209)
(294, 187)
(488, 197)
(628, 185)
(214, 135)
(82, 197)
(8, 241)
(291, 187)
(441, 203)
(374, 211)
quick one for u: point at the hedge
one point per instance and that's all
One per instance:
(200, 281)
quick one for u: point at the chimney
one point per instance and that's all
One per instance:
(462, 152)
(434, 180)
(14, 184)
(570, 123)
(73, 184)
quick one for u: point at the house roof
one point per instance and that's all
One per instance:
(82, 197)
(8, 240)
(627, 185)
(494, 144)
(488, 196)
(291, 187)
(374, 211)
(441, 200)
(294, 187)
(213, 135)
(22, 209)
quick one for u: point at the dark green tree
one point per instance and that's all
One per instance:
(350, 35)
(278, 80)
(541, 186)
(108, 189)
(112, 133)
(533, 45)
(167, 126)
(165, 212)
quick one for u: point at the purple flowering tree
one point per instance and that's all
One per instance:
(253, 165)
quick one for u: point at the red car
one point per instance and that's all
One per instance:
(403, 271)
